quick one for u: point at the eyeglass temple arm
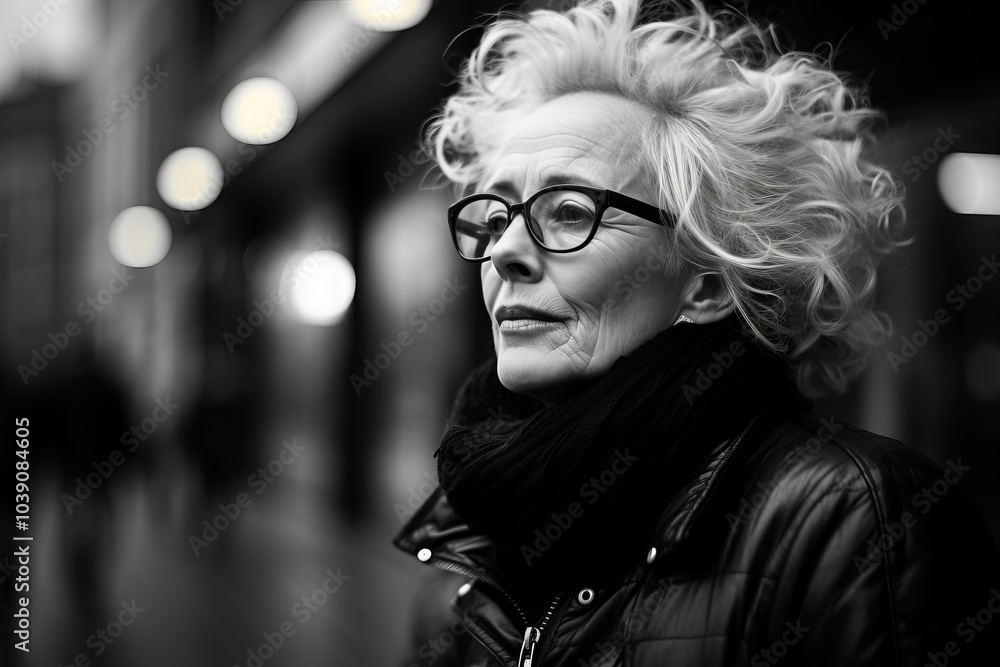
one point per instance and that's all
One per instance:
(641, 209)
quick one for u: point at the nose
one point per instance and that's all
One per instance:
(516, 255)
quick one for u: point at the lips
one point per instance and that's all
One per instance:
(504, 313)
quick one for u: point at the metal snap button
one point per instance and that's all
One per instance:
(651, 556)
(586, 596)
(424, 555)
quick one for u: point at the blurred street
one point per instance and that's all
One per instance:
(231, 312)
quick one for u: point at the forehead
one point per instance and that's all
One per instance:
(586, 138)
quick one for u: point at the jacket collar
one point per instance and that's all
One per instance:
(437, 532)
(437, 535)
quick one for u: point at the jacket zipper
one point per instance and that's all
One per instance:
(469, 572)
(532, 636)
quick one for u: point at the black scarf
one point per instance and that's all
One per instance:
(572, 491)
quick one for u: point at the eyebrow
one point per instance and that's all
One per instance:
(558, 178)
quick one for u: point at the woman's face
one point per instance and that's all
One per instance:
(590, 307)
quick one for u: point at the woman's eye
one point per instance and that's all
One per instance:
(496, 221)
(573, 214)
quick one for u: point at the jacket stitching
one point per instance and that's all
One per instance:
(644, 640)
(633, 631)
(803, 513)
(721, 464)
(879, 511)
(487, 640)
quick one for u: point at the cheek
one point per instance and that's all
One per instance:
(598, 287)
(490, 284)
(586, 284)
(652, 302)
(633, 298)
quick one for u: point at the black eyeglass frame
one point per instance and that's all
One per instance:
(603, 200)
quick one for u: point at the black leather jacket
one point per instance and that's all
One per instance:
(803, 542)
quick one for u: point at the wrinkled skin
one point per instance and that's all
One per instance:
(605, 297)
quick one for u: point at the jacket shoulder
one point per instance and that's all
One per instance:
(844, 528)
(834, 456)
(811, 476)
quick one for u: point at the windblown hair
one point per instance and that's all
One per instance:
(765, 157)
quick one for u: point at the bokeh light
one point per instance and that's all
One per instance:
(388, 15)
(259, 111)
(190, 179)
(319, 286)
(970, 183)
(139, 236)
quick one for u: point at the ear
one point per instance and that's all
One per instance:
(705, 299)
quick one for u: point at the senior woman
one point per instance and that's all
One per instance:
(678, 229)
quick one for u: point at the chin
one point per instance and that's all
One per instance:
(522, 371)
(528, 372)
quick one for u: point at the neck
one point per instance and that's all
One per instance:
(610, 453)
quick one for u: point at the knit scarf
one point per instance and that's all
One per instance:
(576, 488)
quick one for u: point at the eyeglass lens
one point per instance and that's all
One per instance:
(560, 220)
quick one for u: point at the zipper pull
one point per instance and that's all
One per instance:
(531, 637)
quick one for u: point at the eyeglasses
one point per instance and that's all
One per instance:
(560, 218)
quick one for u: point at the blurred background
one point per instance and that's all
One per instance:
(231, 312)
